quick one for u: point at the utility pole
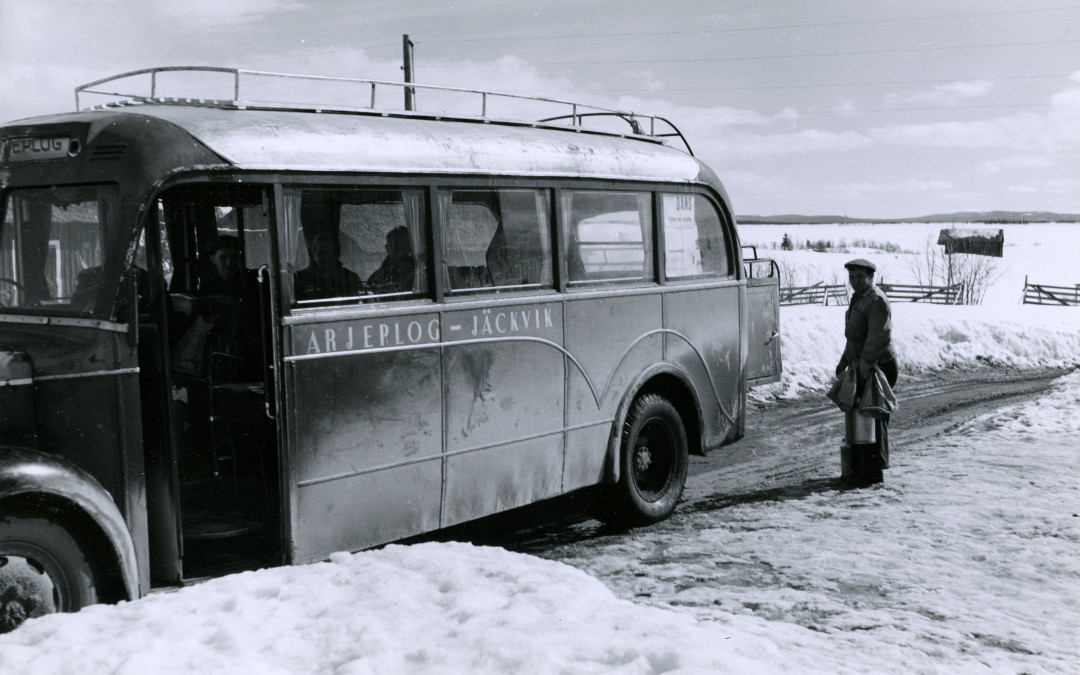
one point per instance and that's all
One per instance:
(407, 53)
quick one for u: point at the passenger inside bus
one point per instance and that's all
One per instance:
(87, 286)
(325, 276)
(223, 329)
(395, 274)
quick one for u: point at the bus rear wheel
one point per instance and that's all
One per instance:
(42, 570)
(654, 459)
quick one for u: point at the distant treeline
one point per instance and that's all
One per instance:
(988, 218)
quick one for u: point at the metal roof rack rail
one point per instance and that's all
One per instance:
(642, 126)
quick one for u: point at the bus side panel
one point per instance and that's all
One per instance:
(609, 337)
(705, 342)
(86, 403)
(366, 510)
(367, 434)
(504, 412)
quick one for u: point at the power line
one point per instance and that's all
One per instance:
(728, 59)
(860, 111)
(827, 85)
(828, 24)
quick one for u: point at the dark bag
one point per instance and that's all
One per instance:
(878, 400)
(844, 390)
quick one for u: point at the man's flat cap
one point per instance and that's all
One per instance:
(862, 263)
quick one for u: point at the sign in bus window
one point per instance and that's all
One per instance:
(356, 244)
(52, 242)
(693, 238)
(609, 235)
(496, 239)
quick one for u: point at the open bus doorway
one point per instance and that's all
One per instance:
(206, 358)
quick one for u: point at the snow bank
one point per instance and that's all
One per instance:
(929, 337)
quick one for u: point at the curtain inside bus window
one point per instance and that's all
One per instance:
(496, 239)
(609, 236)
(693, 237)
(350, 244)
(52, 242)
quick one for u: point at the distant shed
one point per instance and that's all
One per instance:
(976, 242)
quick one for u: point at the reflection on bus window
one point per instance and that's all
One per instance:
(609, 236)
(51, 248)
(496, 239)
(693, 238)
(348, 244)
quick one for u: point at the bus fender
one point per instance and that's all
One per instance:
(25, 472)
(611, 461)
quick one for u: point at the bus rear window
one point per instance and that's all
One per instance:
(52, 247)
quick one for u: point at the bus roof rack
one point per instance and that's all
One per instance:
(641, 126)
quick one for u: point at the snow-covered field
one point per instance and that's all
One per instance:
(966, 560)
(1046, 253)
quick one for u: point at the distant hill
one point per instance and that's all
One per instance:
(987, 217)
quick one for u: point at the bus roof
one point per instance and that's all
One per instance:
(287, 140)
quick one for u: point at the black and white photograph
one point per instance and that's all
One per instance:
(481, 337)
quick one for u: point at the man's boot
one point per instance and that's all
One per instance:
(869, 464)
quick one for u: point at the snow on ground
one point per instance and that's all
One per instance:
(966, 560)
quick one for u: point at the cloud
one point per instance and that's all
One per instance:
(993, 167)
(1055, 186)
(846, 108)
(952, 92)
(903, 187)
(228, 12)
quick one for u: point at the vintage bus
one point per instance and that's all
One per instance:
(238, 334)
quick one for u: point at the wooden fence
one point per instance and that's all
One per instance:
(938, 295)
(821, 294)
(818, 294)
(1041, 294)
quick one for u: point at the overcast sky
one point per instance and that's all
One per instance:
(865, 108)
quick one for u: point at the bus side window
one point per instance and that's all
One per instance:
(343, 245)
(497, 239)
(609, 236)
(693, 238)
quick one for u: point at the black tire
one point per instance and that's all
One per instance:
(653, 458)
(42, 570)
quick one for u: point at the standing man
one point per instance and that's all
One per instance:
(868, 329)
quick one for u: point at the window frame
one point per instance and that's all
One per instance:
(542, 195)
(651, 240)
(724, 231)
(290, 185)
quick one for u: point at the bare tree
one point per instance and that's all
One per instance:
(930, 267)
(976, 273)
(927, 263)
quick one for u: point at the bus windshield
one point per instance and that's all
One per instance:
(52, 247)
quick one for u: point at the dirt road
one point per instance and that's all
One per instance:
(790, 447)
(788, 443)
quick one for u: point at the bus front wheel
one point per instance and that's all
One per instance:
(42, 570)
(654, 459)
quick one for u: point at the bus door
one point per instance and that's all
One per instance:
(701, 310)
(763, 359)
(363, 386)
(503, 362)
(213, 492)
(612, 328)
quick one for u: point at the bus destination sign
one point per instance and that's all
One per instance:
(35, 149)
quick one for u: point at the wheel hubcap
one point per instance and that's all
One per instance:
(29, 591)
(654, 459)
